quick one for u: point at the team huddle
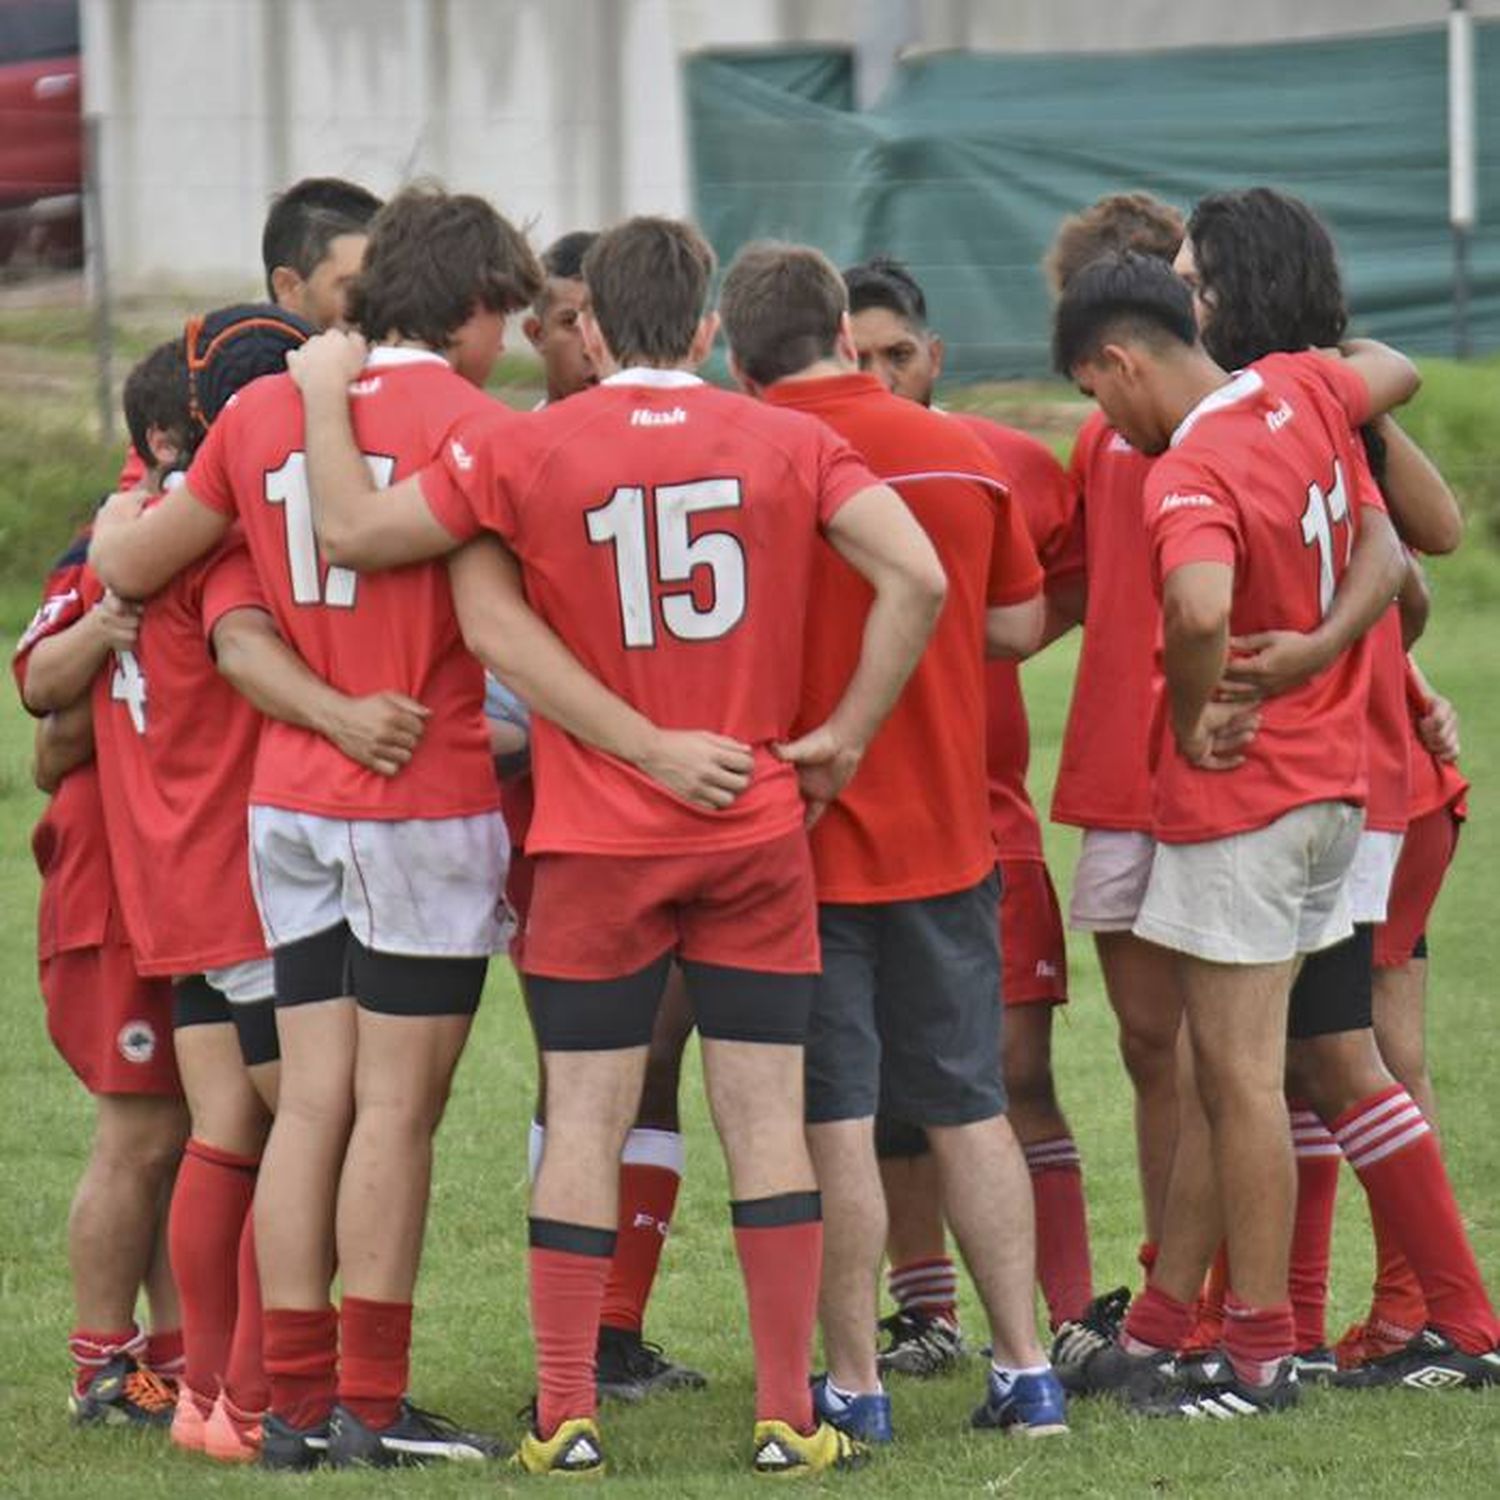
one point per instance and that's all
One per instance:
(705, 706)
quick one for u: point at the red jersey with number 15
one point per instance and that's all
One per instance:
(666, 532)
(1265, 475)
(362, 633)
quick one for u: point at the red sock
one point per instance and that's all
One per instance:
(1208, 1317)
(1398, 1312)
(780, 1245)
(929, 1287)
(1156, 1321)
(164, 1355)
(374, 1358)
(245, 1377)
(1257, 1339)
(569, 1267)
(650, 1174)
(1390, 1145)
(92, 1351)
(302, 1358)
(1318, 1162)
(1062, 1228)
(209, 1205)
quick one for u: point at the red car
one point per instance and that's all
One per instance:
(41, 128)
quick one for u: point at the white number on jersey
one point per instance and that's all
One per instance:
(287, 486)
(622, 521)
(1323, 513)
(128, 686)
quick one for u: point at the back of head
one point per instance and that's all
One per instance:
(884, 282)
(1120, 221)
(432, 260)
(232, 346)
(781, 305)
(156, 396)
(562, 260)
(304, 220)
(1268, 276)
(1124, 297)
(648, 282)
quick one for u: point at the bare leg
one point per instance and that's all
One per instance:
(1193, 1222)
(914, 1207)
(1026, 1062)
(1401, 1030)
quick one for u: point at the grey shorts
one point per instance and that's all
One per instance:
(906, 1016)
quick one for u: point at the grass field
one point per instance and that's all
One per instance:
(472, 1352)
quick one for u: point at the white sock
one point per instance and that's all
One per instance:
(1005, 1376)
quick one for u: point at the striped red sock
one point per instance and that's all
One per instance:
(1063, 1265)
(780, 1245)
(926, 1286)
(374, 1358)
(302, 1357)
(91, 1351)
(164, 1354)
(1389, 1143)
(650, 1175)
(1256, 1339)
(1318, 1161)
(569, 1268)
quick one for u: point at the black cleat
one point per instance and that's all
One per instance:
(1429, 1363)
(415, 1437)
(1316, 1366)
(1227, 1399)
(1201, 1369)
(1111, 1371)
(917, 1343)
(1077, 1339)
(121, 1392)
(289, 1448)
(629, 1369)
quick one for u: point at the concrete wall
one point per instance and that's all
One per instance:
(565, 112)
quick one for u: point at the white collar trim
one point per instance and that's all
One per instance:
(649, 375)
(1246, 383)
(388, 356)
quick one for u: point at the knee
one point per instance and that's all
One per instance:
(1149, 1054)
(144, 1140)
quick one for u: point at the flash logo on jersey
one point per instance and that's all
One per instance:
(1175, 501)
(462, 458)
(643, 416)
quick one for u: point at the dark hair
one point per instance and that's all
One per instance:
(1116, 297)
(562, 260)
(304, 220)
(156, 395)
(648, 285)
(432, 258)
(883, 282)
(781, 306)
(1119, 221)
(228, 348)
(1268, 274)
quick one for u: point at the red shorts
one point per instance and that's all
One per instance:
(113, 1028)
(598, 916)
(1033, 951)
(1426, 853)
(517, 801)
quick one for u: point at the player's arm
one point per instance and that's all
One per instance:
(358, 525)
(521, 649)
(1196, 602)
(1015, 631)
(61, 667)
(64, 741)
(1438, 728)
(1389, 377)
(880, 539)
(380, 731)
(137, 551)
(1066, 601)
(1414, 603)
(1274, 661)
(1425, 510)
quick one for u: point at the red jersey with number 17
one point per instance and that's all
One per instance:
(666, 532)
(362, 633)
(1266, 475)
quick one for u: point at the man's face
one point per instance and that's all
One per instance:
(1118, 380)
(1185, 264)
(322, 296)
(905, 360)
(557, 338)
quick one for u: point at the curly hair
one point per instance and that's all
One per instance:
(1268, 273)
(1120, 221)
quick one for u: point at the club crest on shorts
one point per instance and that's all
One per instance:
(137, 1042)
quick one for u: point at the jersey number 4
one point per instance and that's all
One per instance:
(622, 522)
(1324, 512)
(287, 487)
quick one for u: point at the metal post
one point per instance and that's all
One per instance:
(1461, 192)
(98, 274)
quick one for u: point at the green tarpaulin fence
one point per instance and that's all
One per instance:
(967, 163)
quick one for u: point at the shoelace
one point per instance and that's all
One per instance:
(149, 1391)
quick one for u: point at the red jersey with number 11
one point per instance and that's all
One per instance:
(666, 532)
(362, 633)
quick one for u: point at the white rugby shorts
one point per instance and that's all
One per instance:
(1109, 881)
(1371, 873)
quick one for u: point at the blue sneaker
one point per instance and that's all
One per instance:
(867, 1418)
(1034, 1406)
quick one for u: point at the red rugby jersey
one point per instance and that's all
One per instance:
(1263, 475)
(666, 530)
(1387, 808)
(68, 844)
(1039, 486)
(176, 750)
(1104, 773)
(362, 633)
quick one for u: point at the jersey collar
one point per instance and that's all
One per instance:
(1246, 383)
(649, 375)
(389, 356)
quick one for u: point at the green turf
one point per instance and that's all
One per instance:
(472, 1351)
